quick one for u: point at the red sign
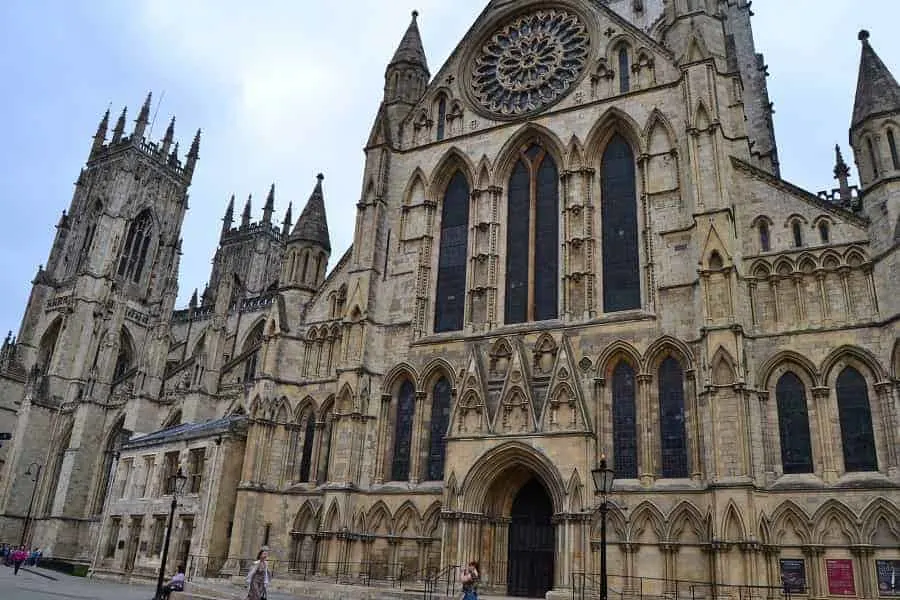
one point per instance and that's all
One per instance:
(840, 577)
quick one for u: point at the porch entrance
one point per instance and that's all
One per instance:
(532, 542)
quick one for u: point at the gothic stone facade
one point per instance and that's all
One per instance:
(572, 241)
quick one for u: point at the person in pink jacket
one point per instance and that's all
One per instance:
(18, 557)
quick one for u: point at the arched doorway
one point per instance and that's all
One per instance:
(532, 542)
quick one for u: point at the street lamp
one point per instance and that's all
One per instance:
(176, 483)
(603, 483)
(33, 471)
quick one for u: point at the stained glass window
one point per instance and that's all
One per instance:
(621, 272)
(306, 456)
(673, 439)
(764, 243)
(824, 232)
(406, 406)
(442, 118)
(137, 243)
(793, 425)
(856, 422)
(624, 416)
(624, 71)
(532, 244)
(440, 420)
(450, 301)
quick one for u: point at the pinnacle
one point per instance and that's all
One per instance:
(312, 226)
(411, 50)
(877, 92)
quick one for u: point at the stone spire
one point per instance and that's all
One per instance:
(100, 136)
(288, 220)
(245, 218)
(143, 119)
(407, 74)
(411, 51)
(228, 219)
(119, 130)
(192, 156)
(312, 226)
(193, 303)
(269, 208)
(877, 92)
(168, 137)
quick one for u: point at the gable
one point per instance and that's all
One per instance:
(477, 88)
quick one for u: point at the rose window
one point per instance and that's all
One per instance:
(530, 63)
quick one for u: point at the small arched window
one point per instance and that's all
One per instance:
(765, 244)
(793, 425)
(673, 436)
(798, 234)
(715, 261)
(624, 71)
(442, 118)
(125, 357)
(824, 232)
(624, 414)
(406, 406)
(440, 420)
(137, 243)
(895, 160)
(306, 456)
(305, 267)
(855, 416)
(873, 158)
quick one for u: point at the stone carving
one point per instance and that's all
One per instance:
(530, 63)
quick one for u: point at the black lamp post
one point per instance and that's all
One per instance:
(34, 471)
(177, 482)
(603, 483)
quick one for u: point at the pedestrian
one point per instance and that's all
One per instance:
(258, 577)
(18, 557)
(175, 585)
(469, 579)
(38, 555)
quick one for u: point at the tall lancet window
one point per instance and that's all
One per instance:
(532, 239)
(624, 71)
(621, 265)
(442, 118)
(855, 416)
(450, 301)
(403, 429)
(673, 436)
(793, 425)
(624, 413)
(137, 243)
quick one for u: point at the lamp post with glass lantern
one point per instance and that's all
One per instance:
(33, 471)
(176, 482)
(603, 483)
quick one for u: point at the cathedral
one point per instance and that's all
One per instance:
(572, 242)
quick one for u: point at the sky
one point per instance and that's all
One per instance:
(286, 89)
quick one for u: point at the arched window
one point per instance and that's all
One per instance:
(621, 265)
(450, 301)
(112, 446)
(673, 439)
(855, 416)
(872, 157)
(798, 234)
(304, 268)
(137, 243)
(325, 452)
(126, 356)
(824, 232)
(88, 241)
(793, 425)
(55, 469)
(532, 239)
(624, 71)
(306, 456)
(442, 118)
(48, 346)
(406, 407)
(765, 245)
(440, 420)
(624, 415)
(893, 146)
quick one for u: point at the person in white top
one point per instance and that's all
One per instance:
(258, 577)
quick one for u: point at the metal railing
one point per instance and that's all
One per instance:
(586, 586)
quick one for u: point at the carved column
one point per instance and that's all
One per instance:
(823, 295)
(773, 284)
(844, 273)
(801, 302)
(821, 397)
(418, 437)
(862, 556)
(815, 573)
(873, 291)
(381, 445)
(753, 302)
(890, 424)
(769, 459)
(696, 434)
(647, 468)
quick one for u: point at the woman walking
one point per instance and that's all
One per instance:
(258, 577)
(469, 579)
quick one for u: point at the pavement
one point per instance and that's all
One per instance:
(43, 584)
